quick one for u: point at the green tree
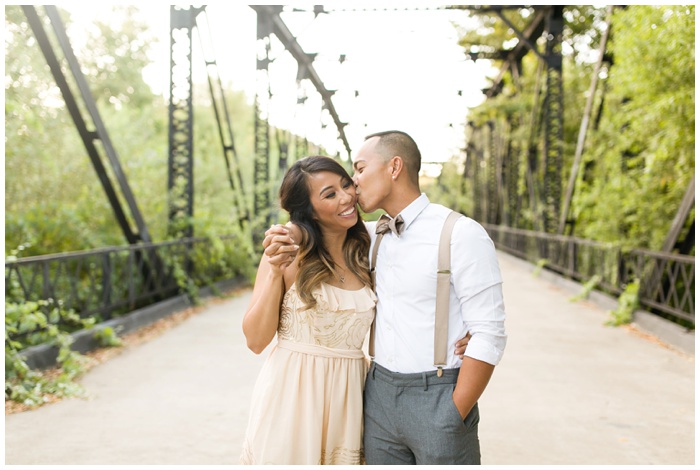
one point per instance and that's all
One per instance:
(54, 201)
(639, 156)
(641, 159)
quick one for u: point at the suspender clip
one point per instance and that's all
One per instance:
(439, 371)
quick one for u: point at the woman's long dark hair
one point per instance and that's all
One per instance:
(315, 262)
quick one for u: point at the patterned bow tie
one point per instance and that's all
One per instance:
(386, 223)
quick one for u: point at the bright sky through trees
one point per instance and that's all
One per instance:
(405, 66)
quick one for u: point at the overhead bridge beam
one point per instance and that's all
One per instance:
(305, 61)
(526, 40)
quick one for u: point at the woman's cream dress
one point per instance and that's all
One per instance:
(307, 401)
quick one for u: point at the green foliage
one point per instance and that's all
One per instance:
(539, 267)
(627, 303)
(115, 61)
(203, 264)
(642, 157)
(449, 189)
(639, 154)
(587, 288)
(184, 281)
(107, 337)
(53, 200)
(38, 323)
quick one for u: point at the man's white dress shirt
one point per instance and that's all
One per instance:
(406, 283)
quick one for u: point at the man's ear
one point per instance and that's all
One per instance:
(396, 166)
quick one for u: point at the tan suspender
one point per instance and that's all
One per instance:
(442, 301)
(373, 273)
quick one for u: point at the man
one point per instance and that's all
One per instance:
(413, 413)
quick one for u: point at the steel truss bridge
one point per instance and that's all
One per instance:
(143, 272)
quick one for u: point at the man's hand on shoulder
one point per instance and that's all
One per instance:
(280, 244)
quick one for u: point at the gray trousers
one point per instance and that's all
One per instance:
(411, 419)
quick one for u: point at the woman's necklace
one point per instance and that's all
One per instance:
(341, 277)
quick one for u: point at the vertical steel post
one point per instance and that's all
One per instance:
(554, 120)
(283, 139)
(223, 121)
(480, 201)
(180, 134)
(301, 147)
(512, 174)
(491, 190)
(261, 170)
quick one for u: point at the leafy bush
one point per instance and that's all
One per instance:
(107, 337)
(587, 288)
(37, 323)
(628, 302)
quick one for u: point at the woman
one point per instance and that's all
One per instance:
(307, 402)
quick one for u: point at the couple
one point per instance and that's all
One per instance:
(314, 291)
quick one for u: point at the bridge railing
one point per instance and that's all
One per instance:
(667, 281)
(106, 282)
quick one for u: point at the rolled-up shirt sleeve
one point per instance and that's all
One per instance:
(477, 281)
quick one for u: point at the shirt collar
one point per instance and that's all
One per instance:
(413, 210)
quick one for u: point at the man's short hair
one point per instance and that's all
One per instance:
(398, 143)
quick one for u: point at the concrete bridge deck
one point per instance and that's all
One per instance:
(569, 390)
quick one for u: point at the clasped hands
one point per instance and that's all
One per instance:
(279, 246)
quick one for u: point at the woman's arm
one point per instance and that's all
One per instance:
(275, 272)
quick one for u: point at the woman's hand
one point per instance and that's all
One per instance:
(461, 346)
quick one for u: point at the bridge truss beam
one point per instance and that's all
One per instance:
(133, 235)
(550, 113)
